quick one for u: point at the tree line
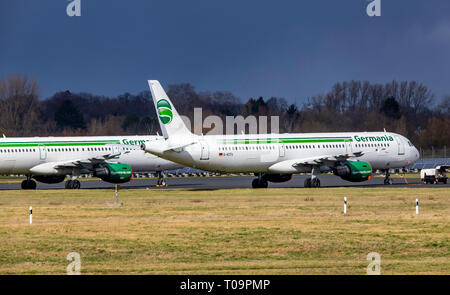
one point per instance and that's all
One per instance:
(406, 107)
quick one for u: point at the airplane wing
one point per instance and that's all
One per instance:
(88, 163)
(327, 159)
(297, 165)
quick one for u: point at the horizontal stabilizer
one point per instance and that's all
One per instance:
(159, 148)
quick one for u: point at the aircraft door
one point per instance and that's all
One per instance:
(401, 146)
(204, 154)
(42, 152)
(282, 151)
(348, 147)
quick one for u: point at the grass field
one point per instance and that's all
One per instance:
(241, 231)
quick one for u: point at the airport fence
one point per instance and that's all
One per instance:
(434, 152)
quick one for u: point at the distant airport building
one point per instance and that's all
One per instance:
(429, 163)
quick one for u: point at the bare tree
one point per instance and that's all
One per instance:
(19, 105)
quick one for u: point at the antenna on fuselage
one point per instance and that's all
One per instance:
(384, 130)
(4, 136)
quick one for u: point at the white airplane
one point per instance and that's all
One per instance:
(275, 157)
(51, 159)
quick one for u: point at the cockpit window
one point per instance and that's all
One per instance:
(410, 144)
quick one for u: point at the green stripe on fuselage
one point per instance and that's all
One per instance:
(57, 143)
(286, 140)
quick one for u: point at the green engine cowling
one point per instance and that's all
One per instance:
(114, 173)
(354, 171)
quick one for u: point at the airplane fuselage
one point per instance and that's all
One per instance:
(262, 152)
(353, 156)
(20, 154)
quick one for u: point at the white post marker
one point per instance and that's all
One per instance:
(417, 206)
(117, 188)
(116, 192)
(345, 205)
(31, 215)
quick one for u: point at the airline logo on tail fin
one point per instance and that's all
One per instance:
(170, 121)
(164, 111)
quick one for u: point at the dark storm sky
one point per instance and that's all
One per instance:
(291, 49)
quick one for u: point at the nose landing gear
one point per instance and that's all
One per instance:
(387, 179)
(161, 179)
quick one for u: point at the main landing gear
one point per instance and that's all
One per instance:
(313, 181)
(387, 178)
(73, 184)
(161, 179)
(260, 182)
(28, 183)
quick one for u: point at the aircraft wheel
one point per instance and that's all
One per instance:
(76, 184)
(264, 183)
(260, 184)
(69, 184)
(315, 182)
(28, 184)
(307, 182)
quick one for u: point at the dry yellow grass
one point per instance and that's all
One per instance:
(241, 231)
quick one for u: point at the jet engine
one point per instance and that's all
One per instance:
(114, 173)
(354, 171)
